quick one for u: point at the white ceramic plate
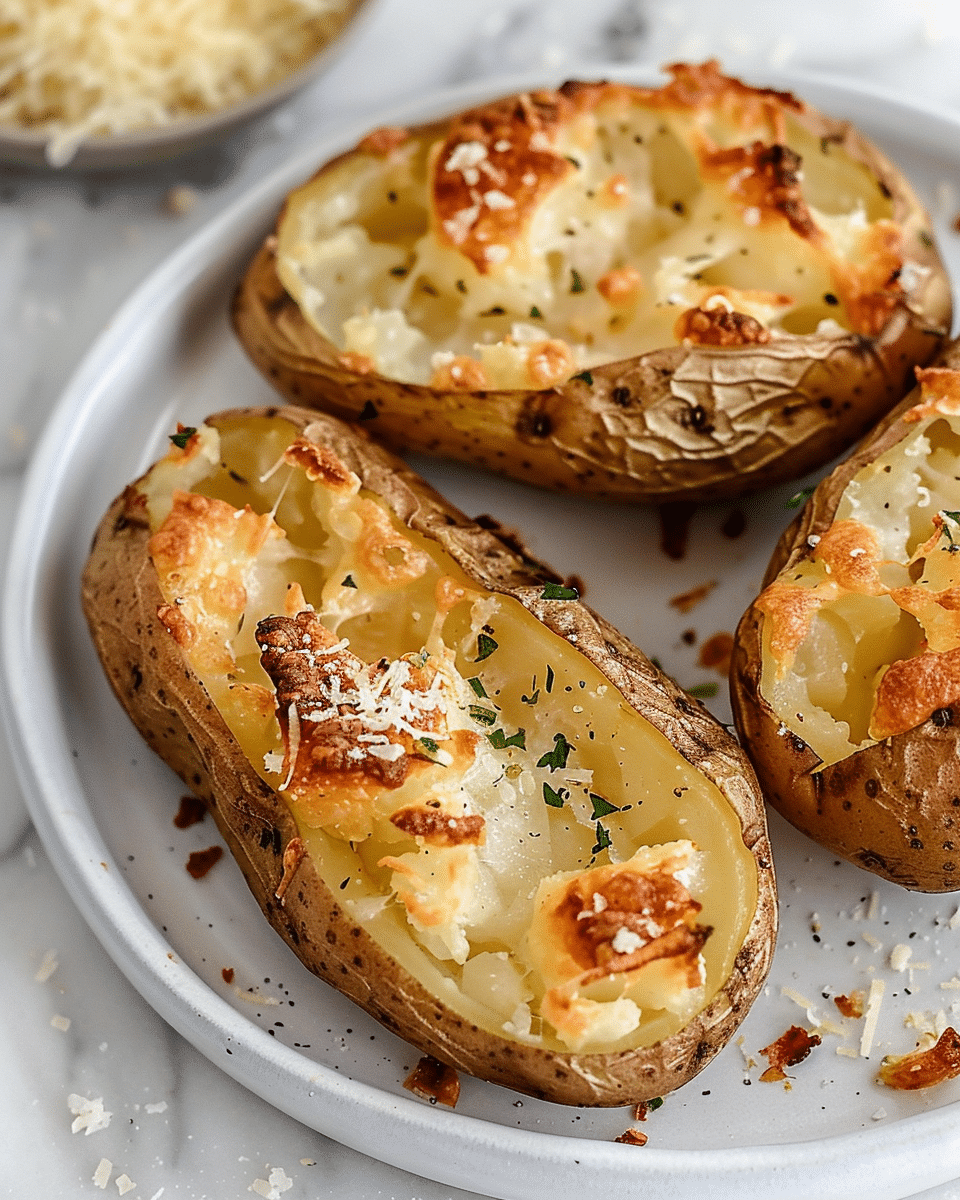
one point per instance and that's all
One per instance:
(104, 806)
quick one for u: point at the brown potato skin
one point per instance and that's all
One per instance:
(673, 424)
(892, 808)
(170, 707)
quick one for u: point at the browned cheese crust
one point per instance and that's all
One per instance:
(721, 408)
(893, 807)
(170, 707)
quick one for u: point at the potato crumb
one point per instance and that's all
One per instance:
(61, 1023)
(181, 200)
(90, 1115)
(874, 998)
(632, 1137)
(687, 600)
(273, 1187)
(159, 1107)
(101, 1176)
(125, 1184)
(899, 957)
(47, 966)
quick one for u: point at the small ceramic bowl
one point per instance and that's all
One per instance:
(28, 148)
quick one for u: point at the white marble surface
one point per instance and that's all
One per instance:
(71, 249)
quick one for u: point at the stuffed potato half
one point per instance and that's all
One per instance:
(460, 796)
(846, 671)
(643, 293)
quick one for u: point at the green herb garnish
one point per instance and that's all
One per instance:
(499, 740)
(483, 716)
(348, 581)
(478, 688)
(585, 377)
(182, 436)
(704, 691)
(557, 591)
(800, 497)
(603, 839)
(549, 684)
(601, 807)
(532, 699)
(556, 759)
(485, 646)
(554, 799)
(576, 282)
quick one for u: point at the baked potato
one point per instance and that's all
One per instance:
(845, 676)
(460, 796)
(647, 294)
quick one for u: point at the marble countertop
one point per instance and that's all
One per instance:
(71, 249)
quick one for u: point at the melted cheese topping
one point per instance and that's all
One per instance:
(861, 639)
(376, 689)
(545, 233)
(86, 67)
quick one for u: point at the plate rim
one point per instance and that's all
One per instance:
(77, 851)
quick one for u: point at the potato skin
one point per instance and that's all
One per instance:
(170, 707)
(892, 808)
(685, 422)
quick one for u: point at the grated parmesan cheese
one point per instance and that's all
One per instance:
(84, 68)
(872, 1016)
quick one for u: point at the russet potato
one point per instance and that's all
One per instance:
(461, 797)
(846, 670)
(651, 294)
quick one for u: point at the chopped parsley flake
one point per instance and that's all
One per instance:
(499, 740)
(348, 581)
(534, 698)
(800, 497)
(954, 546)
(485, 646)
(429, 748)
(554, 799)
(654, 1104)
(603, 839)
(557, 591)
(182, 436)
(535, 313)
(556, 759)
(601, 807)
(704, 691)
(585, 377)
(576, 282)
(483, 716)
(549, 684)
(478, 688)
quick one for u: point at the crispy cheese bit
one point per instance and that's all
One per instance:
(871, 293)
(924, 1067)
(437, 887)
(790, 1049)
(321, 465)
(435, 826)
(382, 142)
(715, 653)
(852, 1005)
(506, 148)
(549, 363)
(631, 925)
(621, 286)
(345, 721)
(719, 326)
(632, 1137)
(356, 363)
(850, 552)
(293, 855)
(790, 609)
(939, 394)
(434, 1081)
(459, 374)
(912, 689)
(685, 601)
(202, 553)
(615, 193)
(766, 182)
(391, 558)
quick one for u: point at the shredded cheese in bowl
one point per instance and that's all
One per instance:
(76, 69)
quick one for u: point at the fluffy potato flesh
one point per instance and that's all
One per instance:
(862, 638)
(542, 235)
(480, 798)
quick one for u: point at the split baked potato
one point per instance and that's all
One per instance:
(460, 796)
(845, 676)
(651, 294)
